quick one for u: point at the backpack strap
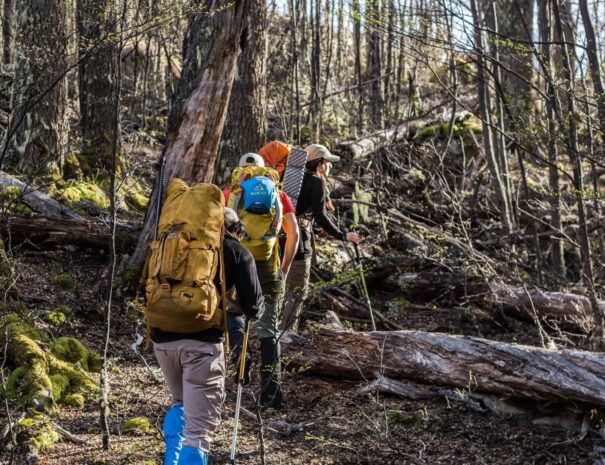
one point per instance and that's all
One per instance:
(221, 258)
(275, 224)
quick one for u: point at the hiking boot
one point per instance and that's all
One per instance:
(192, 456)
(270, 373)
(174, 423)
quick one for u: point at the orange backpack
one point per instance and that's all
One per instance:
(275, 155)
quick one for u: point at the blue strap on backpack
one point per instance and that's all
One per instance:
(259, 195)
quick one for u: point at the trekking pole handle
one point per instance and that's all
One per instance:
(357, 253)
(159, 197)
(242, 361)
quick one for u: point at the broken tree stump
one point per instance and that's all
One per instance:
(465, 362)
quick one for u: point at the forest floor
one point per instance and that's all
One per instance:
(333, 423)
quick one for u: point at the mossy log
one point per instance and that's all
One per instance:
(422, 128)
(463, 362)
(48, 232)
(36, 200)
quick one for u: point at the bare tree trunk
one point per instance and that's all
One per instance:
(96, 24)
(246, 123)
(374, 63)
(7, 31)
(211, 48)
(593, 61)
(357, 40)
(315, 68)
(544, 24)
(39, 131)
(576, 160)
(499, 186)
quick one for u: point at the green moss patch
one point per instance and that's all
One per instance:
(73, 351)
(37, 433)
(77, 191)
(137, 425)
(65, 281)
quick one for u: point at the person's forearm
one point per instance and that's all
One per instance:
(290, 249)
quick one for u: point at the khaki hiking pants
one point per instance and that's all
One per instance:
(297, 287)
(195, 376)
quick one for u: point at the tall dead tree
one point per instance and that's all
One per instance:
(246, 124)
(96, 22)
(593, 62)
(516, 25)
(576, 160)
(544, 24)
(198, 114)
(8, 12)
(373, 33)
(38, 127)
(356, 12)
(483, 97)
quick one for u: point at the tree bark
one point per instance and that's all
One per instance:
(464, 362)
(95, 23)
(39, 132)
(593, 61)
(246, 123)
(194, 135)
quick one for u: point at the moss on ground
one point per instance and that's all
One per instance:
(137, 425)
(65, 281)
(77, 191)
(44, 375)
(73, 351)
(55, 318)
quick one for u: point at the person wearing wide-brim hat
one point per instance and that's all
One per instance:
(310, 209)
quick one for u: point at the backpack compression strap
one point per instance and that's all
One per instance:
(221, 258)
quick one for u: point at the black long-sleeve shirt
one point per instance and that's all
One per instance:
(312, 202)
(240, 271)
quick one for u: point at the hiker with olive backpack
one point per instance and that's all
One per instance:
(264, 210)
(195, 261)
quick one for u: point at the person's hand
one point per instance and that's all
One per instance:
(353, 237)
(284, 272)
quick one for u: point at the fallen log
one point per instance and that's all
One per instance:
(361, 148)
(36, 200)
(47, 232)
(478, 365)
(515, 300)
(524, 302)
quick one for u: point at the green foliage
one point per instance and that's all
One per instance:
(65, 281)
(138, 425)
(55, 318)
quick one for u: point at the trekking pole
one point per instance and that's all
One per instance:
(159, 198)
(240, 385)
(362, 278)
